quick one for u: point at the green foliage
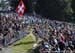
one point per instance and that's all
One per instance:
(14, 3)
(51, 8)
(57, 9)
(68, 9)
(2, 4)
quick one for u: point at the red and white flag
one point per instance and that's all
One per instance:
(20, 8)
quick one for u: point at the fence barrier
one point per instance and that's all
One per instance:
(17, 35)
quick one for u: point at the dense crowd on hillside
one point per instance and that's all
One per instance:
(56, 35)
(8, 26)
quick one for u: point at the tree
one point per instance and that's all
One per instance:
(56, 9)
(50, 8)
(14, 3)
(73, 6)
(2, 4)
(68, 9)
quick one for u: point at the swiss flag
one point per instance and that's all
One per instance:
(20, 8)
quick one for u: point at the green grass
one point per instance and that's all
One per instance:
(23, 45)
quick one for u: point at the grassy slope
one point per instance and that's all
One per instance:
(23, 45)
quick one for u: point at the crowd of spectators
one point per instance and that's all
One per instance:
(57, 36)
(8, 26)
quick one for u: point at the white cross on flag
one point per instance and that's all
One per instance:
(20, 8)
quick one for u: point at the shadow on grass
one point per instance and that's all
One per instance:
(30, 51)
(36, 50)
(24, 43)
